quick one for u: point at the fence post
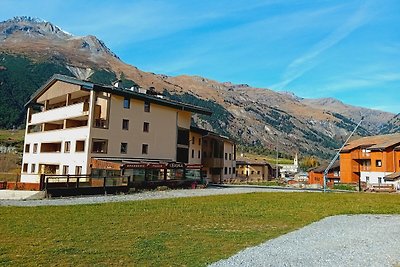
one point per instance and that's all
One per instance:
(77, 182)
(104, 185)
(42, 182)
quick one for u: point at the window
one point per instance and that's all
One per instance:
(199, 154)
(78, 170)
(230, 156)
(146, 106)
(27, 148)
(242, 172)
(367, 179)
(33, 168)
(258, 172)
(99, 146)
(183, 137)
(80, 146)
(378, 163)
(127, 102)
(229, 170)
(146, 127)
(199, 141)
(192, 153)
(25, 167)
(379, 180)
(67, 146)
(226, 170)
(51, 147)
(101, 110)
(124, 148)
(226, 156)
(193, 140)
(125, 124)
(65, 169)
(35, 148)
(233, 170)
(182, 154)
(145, 148)
(252, 172)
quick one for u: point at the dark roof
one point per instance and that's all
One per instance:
(118, 91)
(205, 132)
(322, 168)
(55, 78)
(376, 142)
(392, 177)
(246, 161)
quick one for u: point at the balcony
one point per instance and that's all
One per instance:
(362, 155)
(57, 114)
(365, 168)
(356, 168)
(214, 162)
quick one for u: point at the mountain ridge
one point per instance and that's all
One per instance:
(255, 117)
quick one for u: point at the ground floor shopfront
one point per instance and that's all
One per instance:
(151, 173)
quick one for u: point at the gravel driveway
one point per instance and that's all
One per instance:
(346, 240)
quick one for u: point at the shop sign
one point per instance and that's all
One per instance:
(175, 165)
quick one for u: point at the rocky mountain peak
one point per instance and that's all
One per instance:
(95, 45)
(31, 27)
(19, 30)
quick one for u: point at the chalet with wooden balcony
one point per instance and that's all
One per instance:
(316, 175)
(217, 154)
(371, 160)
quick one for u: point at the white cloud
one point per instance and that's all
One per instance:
(309, 60)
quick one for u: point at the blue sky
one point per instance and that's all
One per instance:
(349, 50)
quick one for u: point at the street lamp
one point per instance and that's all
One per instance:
(277, 155)
(338, 153)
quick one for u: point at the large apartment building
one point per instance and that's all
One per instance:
(79, 127)
(373, 160)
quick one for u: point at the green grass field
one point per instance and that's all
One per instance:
(12, 136)
(186, 231)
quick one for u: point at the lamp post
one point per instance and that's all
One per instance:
(277, 156)
(338, 153)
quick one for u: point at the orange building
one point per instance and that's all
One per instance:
(316, 175)
(373, 160)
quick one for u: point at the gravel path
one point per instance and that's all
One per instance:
(139, 196)
(346, 240)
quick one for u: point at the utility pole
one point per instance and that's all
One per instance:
(277, 156)
(338, 153)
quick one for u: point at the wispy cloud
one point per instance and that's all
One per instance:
(247, 39)
(309, 60)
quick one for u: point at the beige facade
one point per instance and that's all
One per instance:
(195, 150)
(250, 170)
(70, 122)
(137, 128)
(218, 156)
